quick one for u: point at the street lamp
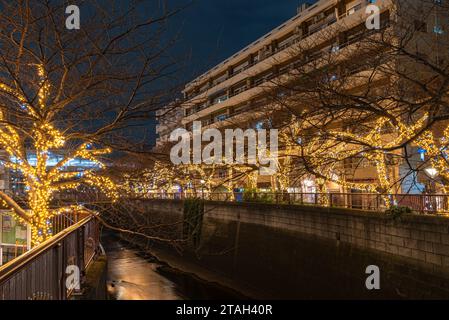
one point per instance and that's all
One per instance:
(202, 187)
(431, 172)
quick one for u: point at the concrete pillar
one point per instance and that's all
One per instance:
(229, 71)
(274, 46)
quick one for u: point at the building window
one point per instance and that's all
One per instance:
(259, 125)
(354, 9)
(221, 99)
(221, 117)
(335, 48)
(438, 29)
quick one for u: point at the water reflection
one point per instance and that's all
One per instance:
(132, 277)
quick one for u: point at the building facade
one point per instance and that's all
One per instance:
(233, 93)
(168, 119)
(231, 88)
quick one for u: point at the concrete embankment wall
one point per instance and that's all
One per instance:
(94, 287)
(281, 251)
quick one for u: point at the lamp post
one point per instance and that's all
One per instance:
(432, 173)
(202, 188)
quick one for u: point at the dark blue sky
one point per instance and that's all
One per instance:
(212, 30)
(209, 31)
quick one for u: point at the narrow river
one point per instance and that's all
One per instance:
(135, 275)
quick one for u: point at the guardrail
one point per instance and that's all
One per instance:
(420, 203)
(40, 274)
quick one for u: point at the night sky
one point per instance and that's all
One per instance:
(212, 30)
(209, 31)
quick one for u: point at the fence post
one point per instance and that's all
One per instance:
(82, 264)
(348, 201)
(58, 275)
(423, 204)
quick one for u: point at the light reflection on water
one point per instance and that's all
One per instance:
(131, 277)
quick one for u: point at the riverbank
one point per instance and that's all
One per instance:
(289, 252)
(137, 274)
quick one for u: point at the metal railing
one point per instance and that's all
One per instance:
(40, 274)
(419, 203)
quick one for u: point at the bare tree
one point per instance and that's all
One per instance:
(367, 96)
(77, 94)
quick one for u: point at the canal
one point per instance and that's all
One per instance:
(137, 275)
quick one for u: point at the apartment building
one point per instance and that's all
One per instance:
(231, 88)
(168, 119)
(232, 93)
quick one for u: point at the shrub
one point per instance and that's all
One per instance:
(397, 212)
(252, 195)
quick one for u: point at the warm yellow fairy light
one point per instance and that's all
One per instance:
(41, 181)
(437, 151)
(323, 153)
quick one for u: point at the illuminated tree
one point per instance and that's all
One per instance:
(366, 97)
(76, 94)
(324, 153)
(42, 181)
(436, 146)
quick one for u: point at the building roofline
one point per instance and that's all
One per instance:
(305, 14)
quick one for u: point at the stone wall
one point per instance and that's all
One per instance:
(419, 237)
(424, 238)
(280, 248)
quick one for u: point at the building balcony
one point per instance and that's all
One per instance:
(344, 21)
(265, 82)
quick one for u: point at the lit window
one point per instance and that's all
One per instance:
(354, 9)
(221, 117)
(335, 48)
(220, 99)
(438, 29)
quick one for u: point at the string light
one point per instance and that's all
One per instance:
(324, 153)
(438, 153)
(41, 181)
